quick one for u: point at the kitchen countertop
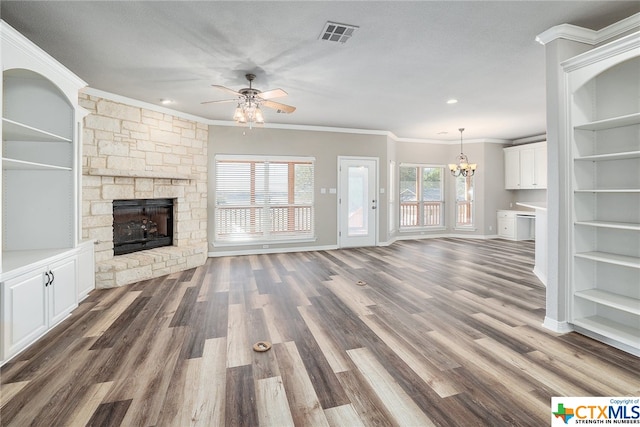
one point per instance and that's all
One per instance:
(533, 205)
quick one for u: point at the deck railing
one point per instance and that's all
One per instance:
(251, 220)
(464, 215)
(431, 214)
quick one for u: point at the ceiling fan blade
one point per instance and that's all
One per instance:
(220, 101)
(282, 108)
(274, 93)
(227, 89)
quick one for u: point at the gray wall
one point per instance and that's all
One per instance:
(490, 194)
(325, 147)
(496, 197)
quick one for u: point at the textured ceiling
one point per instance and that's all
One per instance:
(396, 73)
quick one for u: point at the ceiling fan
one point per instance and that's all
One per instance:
(250, 100)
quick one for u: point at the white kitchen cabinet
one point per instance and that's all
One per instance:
(511, 168)
(525, 167)
(36, 300)
(604, 226)
(516, 225)
(540, 166)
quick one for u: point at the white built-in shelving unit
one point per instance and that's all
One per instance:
(44, 267)
(604, 117)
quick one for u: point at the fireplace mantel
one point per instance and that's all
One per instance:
(139, 174)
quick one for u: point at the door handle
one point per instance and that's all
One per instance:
(46, 273)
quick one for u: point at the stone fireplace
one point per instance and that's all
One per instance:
(135, 153)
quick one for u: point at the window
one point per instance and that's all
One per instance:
(263, 198)
(421, 196)
(464, 202)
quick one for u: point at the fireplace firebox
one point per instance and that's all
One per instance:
(142, 224)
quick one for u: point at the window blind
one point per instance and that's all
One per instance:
(263, 198)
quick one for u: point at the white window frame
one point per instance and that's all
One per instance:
(420, 203)
(466, 226)
(262, 222)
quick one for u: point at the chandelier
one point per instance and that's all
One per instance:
(463, 167)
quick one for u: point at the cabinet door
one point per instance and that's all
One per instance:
(63, 296)
(540, 167)
(25, 311)
(527, 168)
(507, 228)
(511, 169)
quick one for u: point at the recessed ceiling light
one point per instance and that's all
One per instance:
(452, 101)
(442, 133)
(165, 101)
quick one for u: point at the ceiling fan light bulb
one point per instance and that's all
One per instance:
(237, 115)
(259, 116)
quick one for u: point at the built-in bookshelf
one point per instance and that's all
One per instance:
(605, 163)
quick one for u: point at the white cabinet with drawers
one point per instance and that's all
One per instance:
(516, 225)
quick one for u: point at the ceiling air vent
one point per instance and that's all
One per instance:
(334, 32)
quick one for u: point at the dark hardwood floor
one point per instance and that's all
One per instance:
(443, 332)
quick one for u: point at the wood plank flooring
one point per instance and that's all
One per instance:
(444, 332)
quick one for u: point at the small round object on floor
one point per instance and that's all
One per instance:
(261, 346)
(361, 283)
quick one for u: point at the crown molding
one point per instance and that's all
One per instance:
(230, 123)
(587, 36)
(629, 44)
(307, 128)
(567, 32)
(530, 139)
(143, 104)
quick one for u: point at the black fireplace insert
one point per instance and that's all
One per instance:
(142, 224)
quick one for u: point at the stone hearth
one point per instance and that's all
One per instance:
(135, 153)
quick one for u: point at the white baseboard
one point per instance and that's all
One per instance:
(331, 247)
(607, 340)
(542, 276)
(271, 251)
(555, 326)
(446, 235)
